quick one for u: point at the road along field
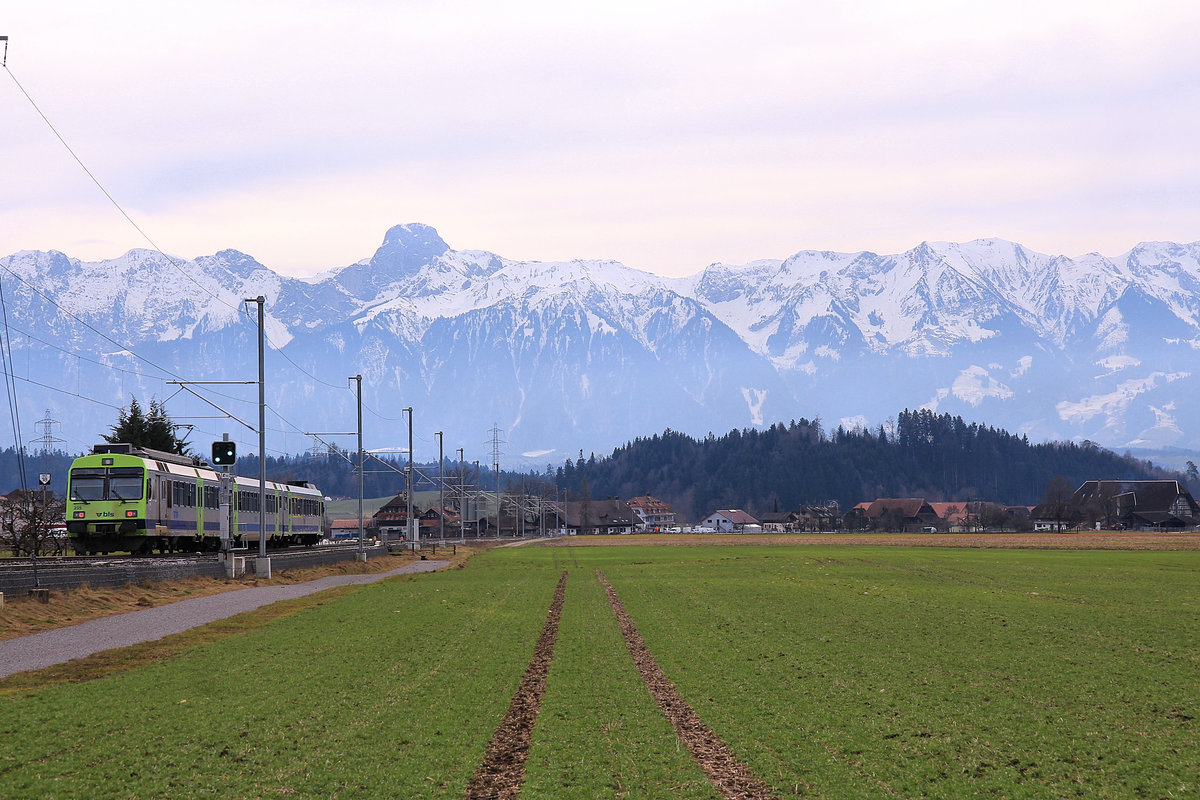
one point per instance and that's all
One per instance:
(825, 671)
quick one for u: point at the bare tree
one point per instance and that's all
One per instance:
(1056, 502)
(28, 523)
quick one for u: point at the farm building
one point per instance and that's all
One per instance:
(348, 529)
(1136, 505)
(731, 520)
(599, 517)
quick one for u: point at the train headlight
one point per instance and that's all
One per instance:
(131, 513)
(78, 515)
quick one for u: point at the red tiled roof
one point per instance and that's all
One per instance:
(908, 506)
(944, 510)
(651, 505)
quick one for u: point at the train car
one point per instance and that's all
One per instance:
(121, 498)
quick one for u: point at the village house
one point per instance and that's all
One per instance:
(653, 514)
(599, 517)
(391, 520)
(434, 525)
(780, 521)
(954, 517)
(903, 514)
(815, 518)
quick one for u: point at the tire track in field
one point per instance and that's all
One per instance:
(731, 777)
(502, 771)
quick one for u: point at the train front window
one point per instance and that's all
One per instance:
(115, 483)
(125, 484)
(86, 485)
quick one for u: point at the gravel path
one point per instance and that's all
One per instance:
(63, 644)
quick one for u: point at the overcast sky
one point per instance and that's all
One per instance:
(665, 135)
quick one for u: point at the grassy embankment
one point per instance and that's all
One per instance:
(22, 616)
(831, 671)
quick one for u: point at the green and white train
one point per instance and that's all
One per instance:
(121, 498)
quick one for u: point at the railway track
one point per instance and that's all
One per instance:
(67, 572)
(52, 562)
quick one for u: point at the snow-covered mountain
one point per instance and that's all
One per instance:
(588, 354)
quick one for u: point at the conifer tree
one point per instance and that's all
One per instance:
(154, 430)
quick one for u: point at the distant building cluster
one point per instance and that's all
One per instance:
(1155, 505)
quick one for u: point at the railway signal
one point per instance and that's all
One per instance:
(224, 453)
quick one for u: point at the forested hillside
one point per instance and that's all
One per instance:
(938, 457)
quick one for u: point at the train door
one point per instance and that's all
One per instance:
(158, 497)
(201, 508)
(285, 517)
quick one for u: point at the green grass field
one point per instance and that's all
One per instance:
(831, 671)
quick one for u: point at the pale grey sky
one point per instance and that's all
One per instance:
(666, 135)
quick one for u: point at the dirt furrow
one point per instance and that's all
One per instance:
(731, 777)
(502, 771)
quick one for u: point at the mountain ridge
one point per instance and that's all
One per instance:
(591, 353)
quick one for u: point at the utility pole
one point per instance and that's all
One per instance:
(362, 553)
(441, 495)
(462, 499)
(414, 531)
(262, 567)
(496, 442)
(478, 483)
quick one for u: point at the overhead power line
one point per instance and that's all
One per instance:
(175, 263)
(171, 260)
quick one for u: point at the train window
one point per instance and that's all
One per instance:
(125, 484)
(106, 484)
(87, 485)
(183, 493)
